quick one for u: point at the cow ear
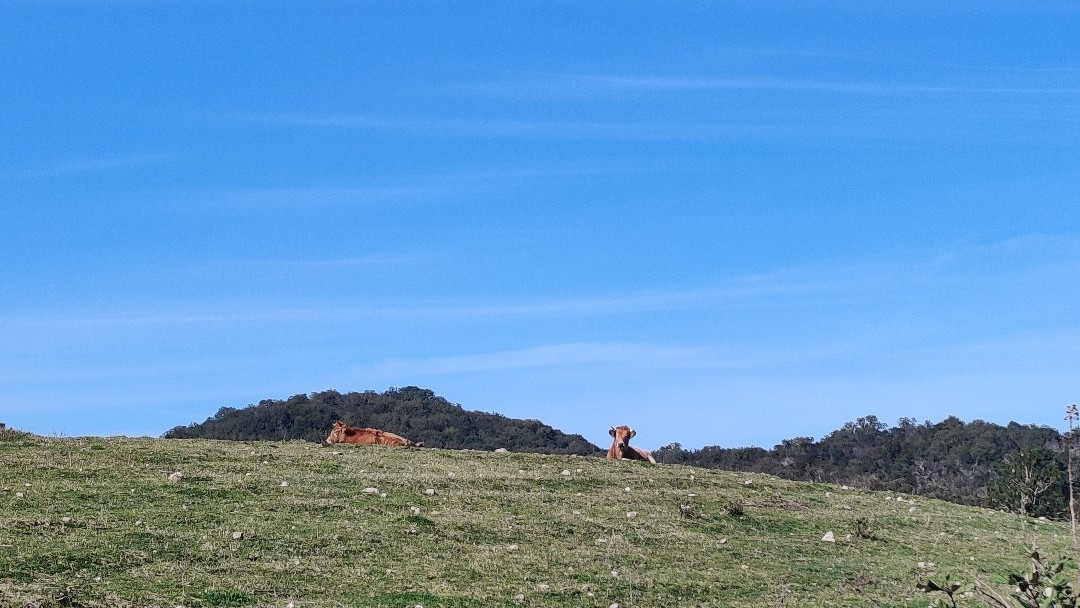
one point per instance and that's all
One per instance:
(611, 431)
(632, 433)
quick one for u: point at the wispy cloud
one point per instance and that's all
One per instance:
(714, 357)
(668, 83)
(546, 356)
(426, 126)
(748, 288)
(422, 187)
(852, 282)
(968, 81)
(373, 260)
(94, 165)
(307, 196)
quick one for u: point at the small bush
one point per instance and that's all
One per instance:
(861, 528)
(735, 508)
(1045, 585)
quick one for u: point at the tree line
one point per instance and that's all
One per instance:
(1021, 468)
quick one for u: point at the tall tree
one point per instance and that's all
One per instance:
(1024, 481)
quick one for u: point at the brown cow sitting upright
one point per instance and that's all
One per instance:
(620, 445)
(343, 433)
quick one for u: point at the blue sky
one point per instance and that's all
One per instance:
(723, 223)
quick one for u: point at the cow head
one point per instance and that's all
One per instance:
(337, 433)
(621, 435)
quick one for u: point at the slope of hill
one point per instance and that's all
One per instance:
(98, 523)
(413, 412)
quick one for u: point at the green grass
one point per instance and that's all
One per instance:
(99, 524)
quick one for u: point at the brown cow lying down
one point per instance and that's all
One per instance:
(620, 445)
(343, 433)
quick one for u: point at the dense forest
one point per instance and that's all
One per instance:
(413, 412)
(1017, 467)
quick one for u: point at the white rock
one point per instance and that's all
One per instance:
(237, 535)
(430, 491)
(19, 495)
(502, 450)
(284, 484)
(519, 598)
(175, 477)
(911, 509)
(565, 473)
(631, 514)
(512, 547)
(543, 588)
(723, 541)
(371, 490)
(415, 510)
(627, 489)
(748, 482)
(829, 537)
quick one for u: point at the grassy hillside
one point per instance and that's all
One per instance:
(97, 522)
